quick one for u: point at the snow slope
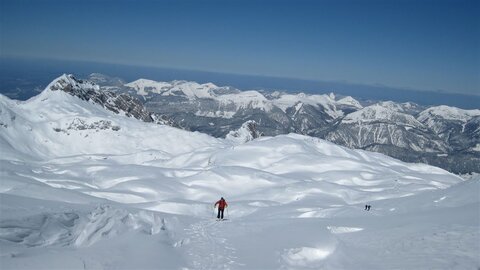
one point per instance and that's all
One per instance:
(84, 188)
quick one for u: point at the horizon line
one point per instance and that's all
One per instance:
(343, 82)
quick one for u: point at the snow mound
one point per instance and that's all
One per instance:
(306, 256)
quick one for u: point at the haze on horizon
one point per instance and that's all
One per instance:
(422, 45)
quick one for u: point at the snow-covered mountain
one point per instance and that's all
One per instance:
(442, 136)
(228, 101)
(119, 103)
(387, 128)
(377, 125)
(459, 128)
(84, 187)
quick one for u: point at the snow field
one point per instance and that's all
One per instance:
(141, 197)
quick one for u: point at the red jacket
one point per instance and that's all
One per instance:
(221, 204)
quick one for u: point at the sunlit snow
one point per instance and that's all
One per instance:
(141, 196)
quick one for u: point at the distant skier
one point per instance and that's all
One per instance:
(368, 208)
(222, 204)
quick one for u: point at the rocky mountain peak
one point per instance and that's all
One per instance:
(70, 84)
(247, 132)
(117, 103)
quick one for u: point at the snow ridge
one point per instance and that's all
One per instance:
(448, 113)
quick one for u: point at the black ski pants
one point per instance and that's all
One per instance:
(220, 213)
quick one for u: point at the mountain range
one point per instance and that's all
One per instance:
(443, 136)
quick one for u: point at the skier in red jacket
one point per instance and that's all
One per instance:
(222, 204)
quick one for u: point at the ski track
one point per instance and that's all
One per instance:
(208, 248)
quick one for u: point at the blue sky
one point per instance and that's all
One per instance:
(425, 45)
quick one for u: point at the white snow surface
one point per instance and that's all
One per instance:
(76, 193)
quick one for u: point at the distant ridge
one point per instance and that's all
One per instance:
(20, 77)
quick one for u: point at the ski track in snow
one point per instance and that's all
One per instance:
(207, 247)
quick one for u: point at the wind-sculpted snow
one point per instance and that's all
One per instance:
(77, 228)
(77, 193)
